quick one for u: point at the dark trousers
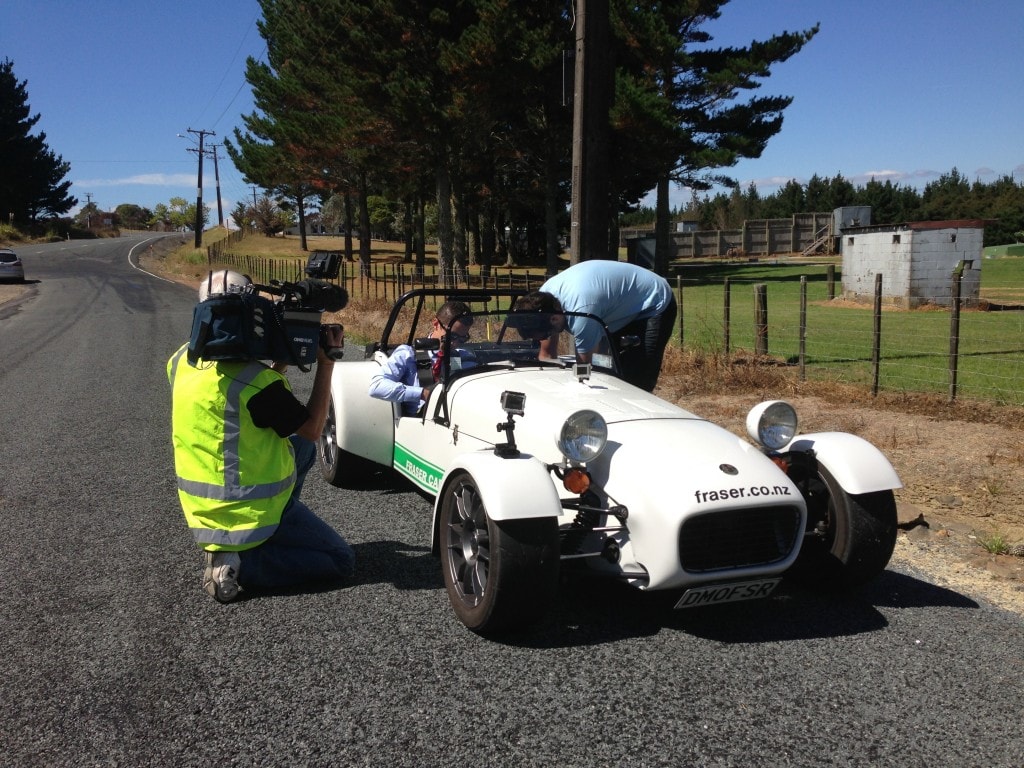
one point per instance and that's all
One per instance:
(304, 549)
(641, 364)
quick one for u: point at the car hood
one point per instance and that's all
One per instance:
(552, 394)
(648, 437)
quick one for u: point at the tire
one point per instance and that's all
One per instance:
(499, 575)
(337, 466)
(852, 536)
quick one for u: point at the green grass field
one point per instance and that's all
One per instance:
(839, 336)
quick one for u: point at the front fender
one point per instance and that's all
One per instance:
(511, 488)
(855, 463)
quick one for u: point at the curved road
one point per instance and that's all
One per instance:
(111, 654)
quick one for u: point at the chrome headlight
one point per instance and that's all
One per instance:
(582, 436)
(772, 424)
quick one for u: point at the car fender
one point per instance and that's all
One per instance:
(857, 465)
(514, 488)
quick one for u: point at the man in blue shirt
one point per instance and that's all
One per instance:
(398, 379)
(630, 300)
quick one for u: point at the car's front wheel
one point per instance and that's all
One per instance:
(337, 466)
(499, 574)
(852, 536)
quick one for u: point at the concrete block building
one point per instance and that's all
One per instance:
(917, 261)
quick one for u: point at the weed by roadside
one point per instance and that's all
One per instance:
(994, 544)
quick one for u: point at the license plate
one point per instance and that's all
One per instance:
(713, 594)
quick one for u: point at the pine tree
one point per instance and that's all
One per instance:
(691, 115)
(462, 103)
(31, 185)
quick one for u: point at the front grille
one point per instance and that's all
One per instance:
(737, 538)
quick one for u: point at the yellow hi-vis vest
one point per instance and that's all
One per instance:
(234, 478)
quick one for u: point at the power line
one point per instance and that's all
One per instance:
(227, 70)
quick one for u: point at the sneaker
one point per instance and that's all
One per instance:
(220, 579)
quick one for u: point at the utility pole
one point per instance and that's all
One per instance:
(590, 131)
(216, 175)
(88, 209)
(199, 186)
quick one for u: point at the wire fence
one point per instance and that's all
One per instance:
(959, 348)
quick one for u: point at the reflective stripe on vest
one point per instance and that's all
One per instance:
(220, 512)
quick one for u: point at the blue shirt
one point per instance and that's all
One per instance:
(614, 291)
(398, 380)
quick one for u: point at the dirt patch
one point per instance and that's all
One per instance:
(11, 291)
(963, 486)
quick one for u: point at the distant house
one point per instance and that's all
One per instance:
(315, 226)
(917, 261)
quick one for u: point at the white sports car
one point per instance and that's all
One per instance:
(537, 465)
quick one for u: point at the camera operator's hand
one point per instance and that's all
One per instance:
(332, 343)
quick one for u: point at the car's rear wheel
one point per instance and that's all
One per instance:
(852, 535)
(337, 466)
(499, 574)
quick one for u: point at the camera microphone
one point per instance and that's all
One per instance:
(321, 295)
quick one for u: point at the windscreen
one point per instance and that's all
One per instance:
(514, 339)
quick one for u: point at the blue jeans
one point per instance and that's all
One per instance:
(641, 365)
(304, 548)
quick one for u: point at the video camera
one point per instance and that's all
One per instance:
(243, 324)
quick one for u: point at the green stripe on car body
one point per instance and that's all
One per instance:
(424, 474)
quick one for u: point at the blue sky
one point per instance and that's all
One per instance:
(892, 89)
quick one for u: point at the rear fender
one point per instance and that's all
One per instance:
(855, 463)
(511, 488)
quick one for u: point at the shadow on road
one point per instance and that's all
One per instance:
(591, 612)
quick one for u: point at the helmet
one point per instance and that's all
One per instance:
(222, 281)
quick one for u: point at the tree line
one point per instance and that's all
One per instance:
(952, 196)
(466, 108)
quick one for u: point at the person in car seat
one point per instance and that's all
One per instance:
(398, 379)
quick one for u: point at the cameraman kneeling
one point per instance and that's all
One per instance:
(243, 444)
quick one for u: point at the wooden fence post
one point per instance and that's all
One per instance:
(726, 308)
(803, 327)
(954, 330)
(876, 344)
(679, 290)
(760, 319)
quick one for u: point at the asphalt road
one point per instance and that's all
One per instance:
(110, 654)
